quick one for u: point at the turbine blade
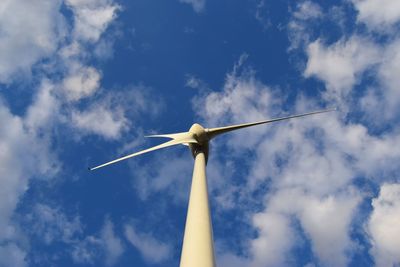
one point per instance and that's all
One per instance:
(174, 136)
(188, 138)
(212, 132)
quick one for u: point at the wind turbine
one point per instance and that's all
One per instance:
(198, 245)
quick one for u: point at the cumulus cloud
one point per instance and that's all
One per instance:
(112, 114)
(152, 250)
(383, 226)
(325, 220)
(340, 65)
(389, 78)
(274, 240)
(350, 60)
(36, 36)
(82, 82)
(30, 31)
(23, 154)
(378, 14)
(100, 120)
(309, 165)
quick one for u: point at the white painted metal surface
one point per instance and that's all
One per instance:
(198, 248)
(198, 245)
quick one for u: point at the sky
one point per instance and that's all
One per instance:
(83, 81)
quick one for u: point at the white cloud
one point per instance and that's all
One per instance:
(105, 246)
(165, 177)
(325, 220)
(384, 226)
(92, 17)
(113, 245)
(44, 109)
(83, 81)
(308, 163)
(22, 155)
(30, 31)
(231, 260)
(12, 255)
(275, 238)
(194, 82)
(104, 49)
(261, 16)
(100, 120)
(299, 26)
(51, 225)
(347, 62)
(115, 112)
(72, 50)
(86, 250)
(307, 10)
(239, 94)
(390, 79)
(197, 5)
(152, 250)
(378, 14)
(341, 64)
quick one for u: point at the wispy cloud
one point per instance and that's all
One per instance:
(91, 17)
(150, 248)
(303, 15)
(197, 5)
(113, 245)
(50, 225)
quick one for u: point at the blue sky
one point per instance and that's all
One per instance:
(83, 81)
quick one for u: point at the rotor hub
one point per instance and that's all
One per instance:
(201, 136)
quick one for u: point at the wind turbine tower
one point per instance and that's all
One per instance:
(198, 244)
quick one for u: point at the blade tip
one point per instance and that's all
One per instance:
(153, 136)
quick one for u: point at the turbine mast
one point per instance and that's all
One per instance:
(198, 244)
